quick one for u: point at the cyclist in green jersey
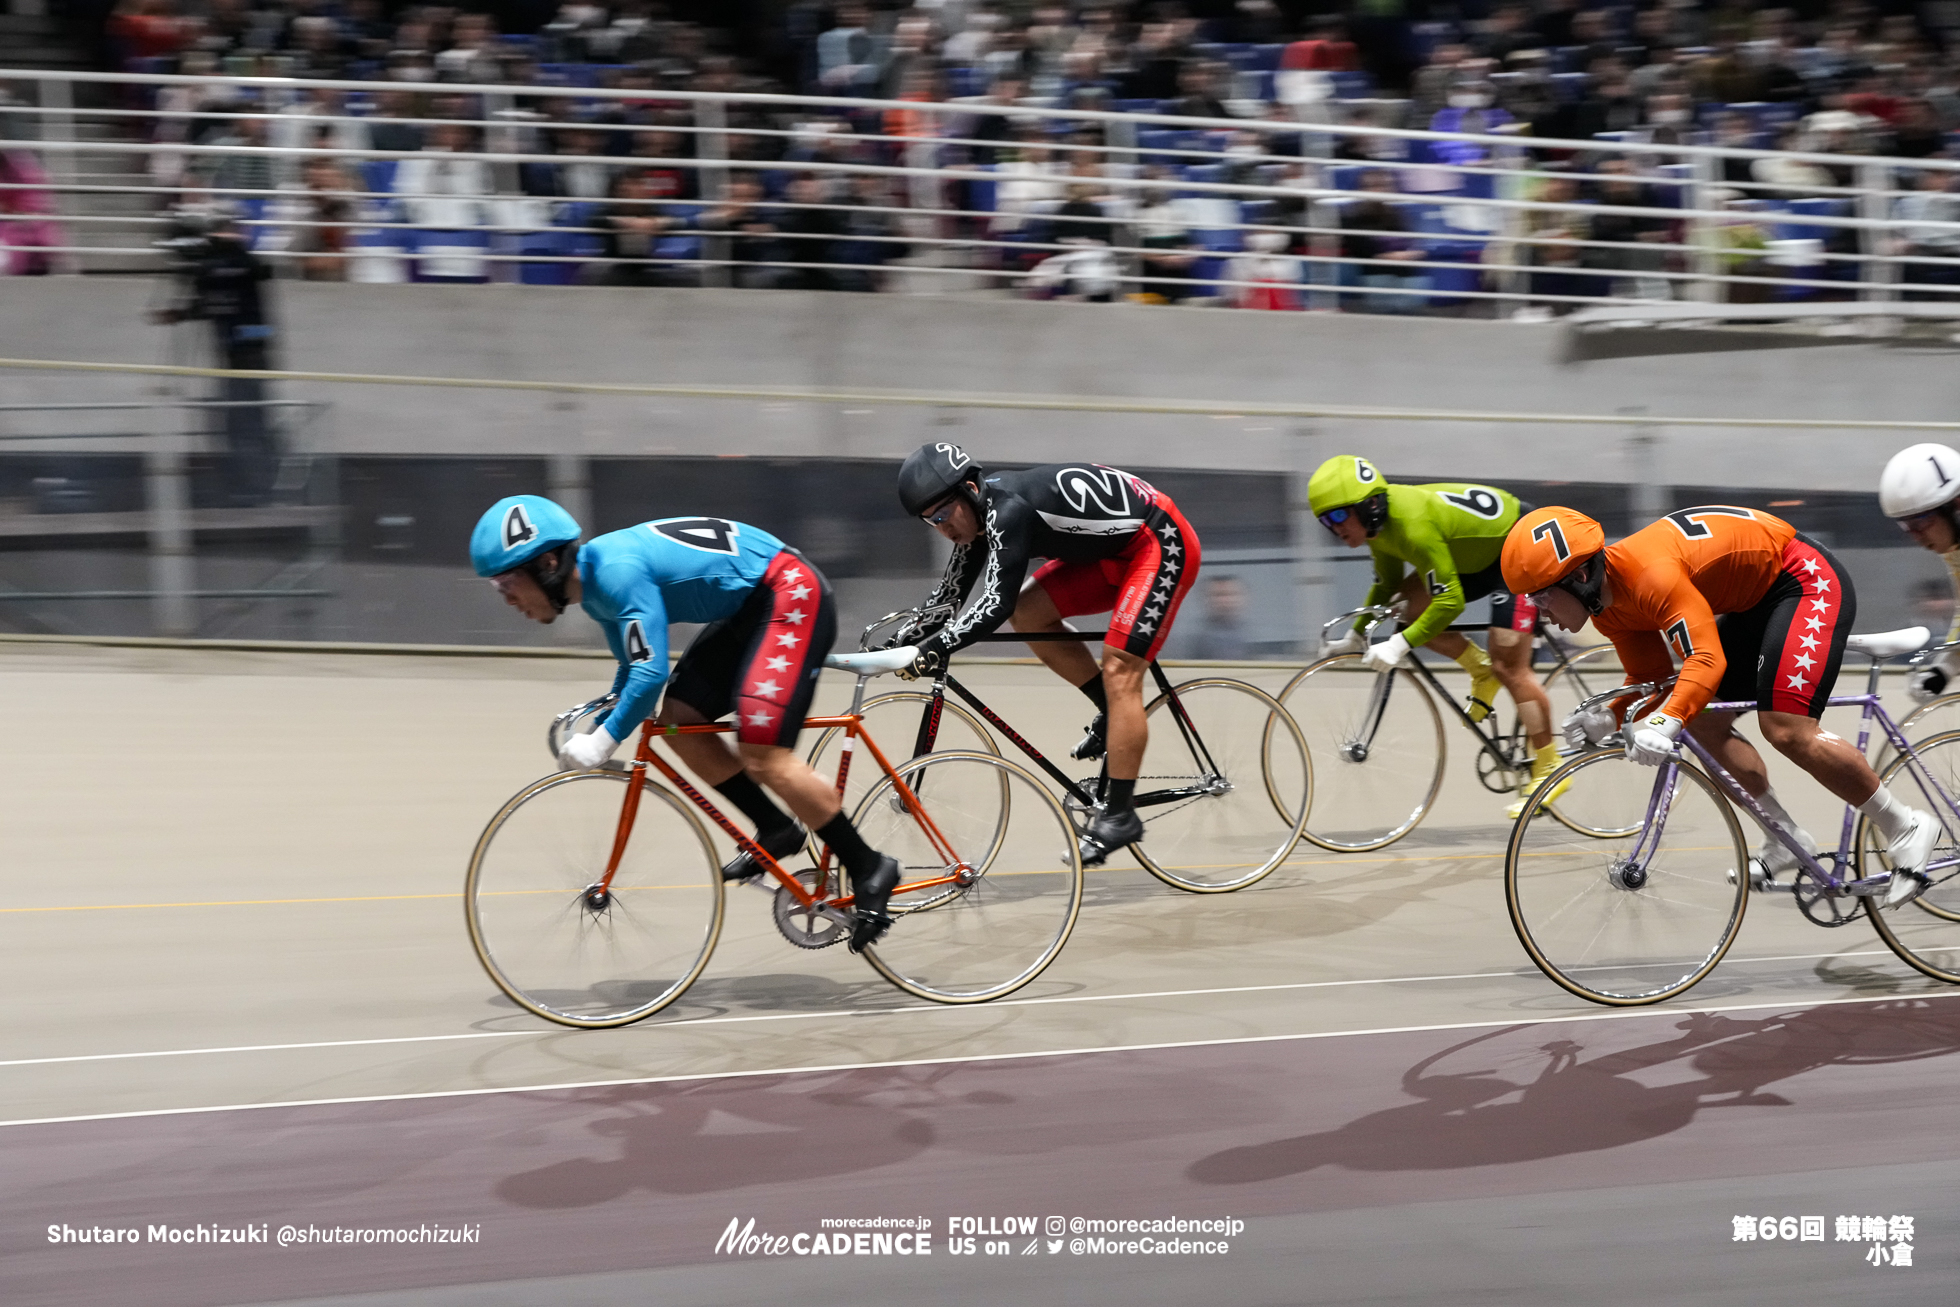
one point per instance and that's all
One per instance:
(1436, 547)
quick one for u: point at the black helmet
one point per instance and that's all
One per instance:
(931, 472)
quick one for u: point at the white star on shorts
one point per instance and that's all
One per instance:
(794, 575)
(1820, 605)
(1809, 641)
(1797, 682)
(1823, 584)
(778, 663)
(1810, 565)
(787, 641)
(794, 616)
(1804, 661)
(801, 592)
(760, 718)
(1813, 623)
(767, 689)
(1168, 532)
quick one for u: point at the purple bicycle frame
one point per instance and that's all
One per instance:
(1662, 798)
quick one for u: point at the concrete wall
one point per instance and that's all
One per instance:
(813, 340)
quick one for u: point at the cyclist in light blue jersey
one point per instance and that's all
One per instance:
(769, 623)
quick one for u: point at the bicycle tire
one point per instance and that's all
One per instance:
(568, 959)
(893, 720)
(971, 943)
(1915, 720)
(1587, 919)
(1581, 676)
(1925, 932)
(1344, 784)
(1239, 730)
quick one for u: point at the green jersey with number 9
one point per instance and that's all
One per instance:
(1446, 531)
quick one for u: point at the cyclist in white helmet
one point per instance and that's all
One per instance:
(1918, 490)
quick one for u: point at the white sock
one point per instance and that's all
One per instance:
(1892, 818)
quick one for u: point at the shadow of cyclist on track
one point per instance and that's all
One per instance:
(1511, 1095)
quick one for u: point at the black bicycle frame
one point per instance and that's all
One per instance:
(929, 725)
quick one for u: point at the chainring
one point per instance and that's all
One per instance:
(1819, 905)
(813, 927)
(1490, 773)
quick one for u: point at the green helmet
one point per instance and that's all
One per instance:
(1348, 482)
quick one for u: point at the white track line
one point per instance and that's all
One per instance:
(849, 1012)
(1617, 1014)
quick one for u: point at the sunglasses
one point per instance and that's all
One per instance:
(1918, 521)
(940, 513)
(1333, 517)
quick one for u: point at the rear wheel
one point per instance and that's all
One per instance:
(985, 907)
(1225, 789)
(893, 720)
(1926, 931)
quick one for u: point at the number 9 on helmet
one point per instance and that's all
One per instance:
(1553, 545)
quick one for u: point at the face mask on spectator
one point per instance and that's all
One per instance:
(1266, 242)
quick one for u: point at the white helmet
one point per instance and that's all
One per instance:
(1919, 479)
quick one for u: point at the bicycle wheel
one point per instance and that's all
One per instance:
(1934, 717)
(1224, 791)
(1376, 747)
(578, 958)
(1588, 672)
(1926, 931)
(1639, 918)
(893, 720)
(991, 919)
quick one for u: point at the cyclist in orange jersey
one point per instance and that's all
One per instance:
(1753, 609)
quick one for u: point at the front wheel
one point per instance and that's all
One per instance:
(1925, 932)
(992, 877)
(1377, 749)
(559, 944)
(1639, 917)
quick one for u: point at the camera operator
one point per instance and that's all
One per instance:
(219, 280)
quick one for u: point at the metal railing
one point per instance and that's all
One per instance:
(1162, 206)
(285, 489)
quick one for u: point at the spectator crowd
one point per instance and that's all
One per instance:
(643, 186)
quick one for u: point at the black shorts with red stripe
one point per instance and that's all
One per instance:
(1785, 652)
(1141, 588)
(762, 662)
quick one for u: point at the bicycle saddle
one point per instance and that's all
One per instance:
(880, 661)
(1889, 644)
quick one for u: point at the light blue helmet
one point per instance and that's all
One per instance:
(518, 529)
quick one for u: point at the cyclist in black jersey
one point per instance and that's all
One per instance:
(1113, 543)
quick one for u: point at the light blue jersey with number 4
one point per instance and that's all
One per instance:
(677, 569)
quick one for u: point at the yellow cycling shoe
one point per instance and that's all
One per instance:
(1483, 695)
(1543, 763)
(1516, 810)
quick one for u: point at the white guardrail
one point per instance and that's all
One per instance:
(558, 184)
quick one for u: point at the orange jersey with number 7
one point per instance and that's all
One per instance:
(1669, 582)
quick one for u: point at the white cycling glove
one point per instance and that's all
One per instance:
(584, 752)
(1384, 656)
(1925, 683)
(1351, 643)
(1585, 727)
(1650, 743)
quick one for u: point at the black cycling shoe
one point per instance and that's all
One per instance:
(1095, 743)
(1109, 832)
(869, 920)
(742, 867)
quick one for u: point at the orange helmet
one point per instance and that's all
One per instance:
(1550, 545)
